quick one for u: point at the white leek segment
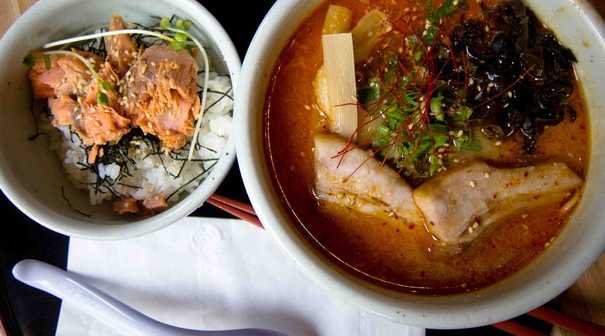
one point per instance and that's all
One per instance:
(368, 32)
(339, 65)
(338, 20)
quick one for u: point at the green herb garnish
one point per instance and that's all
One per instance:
(182, 39)
(47, 63)
(29, 60)
(462, 114)
(371, 93)
(419, 122)
(437, 108)
(434, 19)
(165, 23)
(102, 98)
(107, 86)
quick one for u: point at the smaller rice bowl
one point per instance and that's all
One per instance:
(34, 178)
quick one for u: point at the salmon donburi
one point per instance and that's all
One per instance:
(135, 113)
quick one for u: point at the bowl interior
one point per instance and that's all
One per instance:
(32, 175)
(579, 27)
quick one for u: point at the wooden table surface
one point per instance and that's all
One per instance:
(586, 299)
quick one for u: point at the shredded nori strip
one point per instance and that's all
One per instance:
(180, 189)
(71, 206)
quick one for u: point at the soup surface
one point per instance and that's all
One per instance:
(392, 251)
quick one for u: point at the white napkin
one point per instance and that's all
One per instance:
(213, 274)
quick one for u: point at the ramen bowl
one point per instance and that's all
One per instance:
(578, 26)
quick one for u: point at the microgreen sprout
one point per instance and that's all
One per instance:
(106, 34)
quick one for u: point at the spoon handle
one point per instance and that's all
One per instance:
(73, 289)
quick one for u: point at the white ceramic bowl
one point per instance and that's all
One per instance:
(580, 28)
(31, 175)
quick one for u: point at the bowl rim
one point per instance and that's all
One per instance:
(345, 286)
(223, 43)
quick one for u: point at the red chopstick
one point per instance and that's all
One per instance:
(516, 329)
(246, 212)
(577, 325)
(240, 210)
(568, 322)
(238, 205)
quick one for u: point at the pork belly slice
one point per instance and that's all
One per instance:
(358, 181)
(460, 204)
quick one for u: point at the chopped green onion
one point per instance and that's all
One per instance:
(371, 93)
(107, 86)
(177, 46)
(47, 63)
(439, 128)
(383, 136)
(435, 164)
(418, 56)
(180, 24)
(424, 146)
(440, 140)
(463, 113)
(405, 81)
(393, 64)
(437, 108)
(180, 37)
(466, 143)
(29, 60)
(102, 98)
(430, 34)
(165, 22)
(448, 8)
(411, 40)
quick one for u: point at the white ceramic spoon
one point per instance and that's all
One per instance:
(71, 288)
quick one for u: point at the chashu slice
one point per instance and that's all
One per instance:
(358, 181)
(460, 204)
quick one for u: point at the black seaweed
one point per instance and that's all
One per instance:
(521, 76)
